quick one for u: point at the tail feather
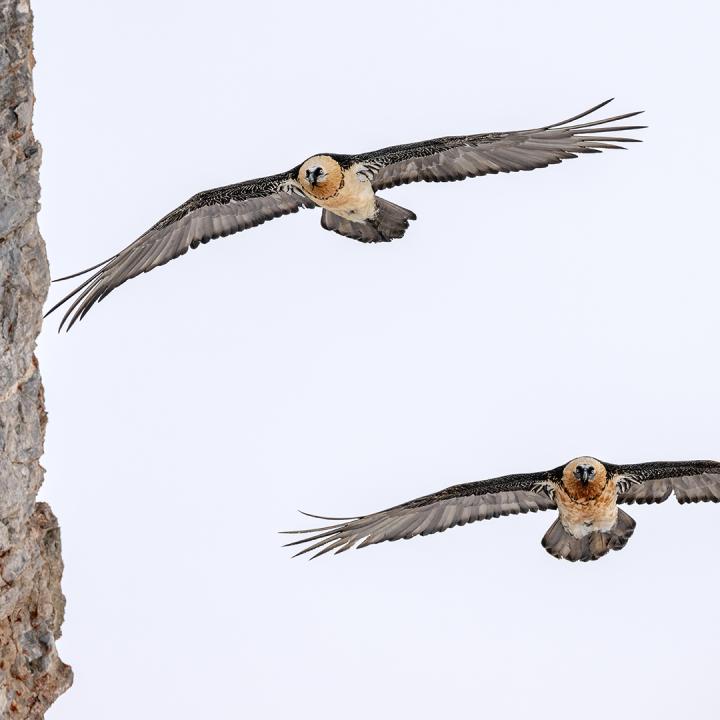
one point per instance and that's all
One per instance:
(390, 222)
(362, 231)
(561, 544)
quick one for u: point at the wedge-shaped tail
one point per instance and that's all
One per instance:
(561, 544)
(390, 222)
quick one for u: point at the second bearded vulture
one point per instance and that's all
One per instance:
(344, 186)
(585, 492)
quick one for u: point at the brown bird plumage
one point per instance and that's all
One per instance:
(344, 186)
(586, 492)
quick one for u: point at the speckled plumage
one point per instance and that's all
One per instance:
(589, 524)
(345, 188)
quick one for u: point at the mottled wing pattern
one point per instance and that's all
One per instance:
(456, 505)
(464, 156)
(693, 481)
(205, 216)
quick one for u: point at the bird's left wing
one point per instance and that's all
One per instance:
(456, 505)
(464, 156)
(205, 216)
(654, 482)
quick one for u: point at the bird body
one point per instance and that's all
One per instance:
(586, 507)
(345, 187)
(585, 491)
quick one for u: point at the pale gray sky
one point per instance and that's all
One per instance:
(523, 320)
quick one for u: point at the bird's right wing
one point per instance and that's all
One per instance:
(456, 505)
(205, 216)
(654, 482)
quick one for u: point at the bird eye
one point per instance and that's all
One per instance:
(314, 172)
(591, 471)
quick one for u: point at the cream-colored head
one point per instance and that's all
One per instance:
(584, 478)
(321, 177)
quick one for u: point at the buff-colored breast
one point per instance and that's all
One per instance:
(587, 508)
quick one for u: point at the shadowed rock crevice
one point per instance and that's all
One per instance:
(31, 602)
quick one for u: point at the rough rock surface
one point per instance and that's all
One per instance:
(31, 602)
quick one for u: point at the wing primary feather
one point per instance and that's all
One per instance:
(72, 293)
(327, 517)
(603, 146)
(602, 121)
(620, 128)
(312, 538)
(307, 550)
(91, 284)
(310, 530)
(582, 114)
(347, 546)
(82, 272)
(78, 300)
(315, 546)
(328, 548)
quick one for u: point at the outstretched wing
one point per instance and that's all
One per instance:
(207, 215)
(692, 481)
(456, 505)
(463, 156)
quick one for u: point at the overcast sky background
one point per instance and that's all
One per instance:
(523, 320)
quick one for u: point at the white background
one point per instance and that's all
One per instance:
(523, 320)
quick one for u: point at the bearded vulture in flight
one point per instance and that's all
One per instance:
(344, 187)
(585, 492)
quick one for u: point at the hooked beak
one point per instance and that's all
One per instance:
(585, 475)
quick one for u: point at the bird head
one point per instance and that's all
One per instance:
(584, 476)
(584, 473)
(320, 176)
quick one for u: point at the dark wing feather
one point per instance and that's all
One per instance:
(692, 481)
(463, 156)
(207, 215)
(456, 505)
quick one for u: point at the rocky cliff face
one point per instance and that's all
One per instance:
(31, 602)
